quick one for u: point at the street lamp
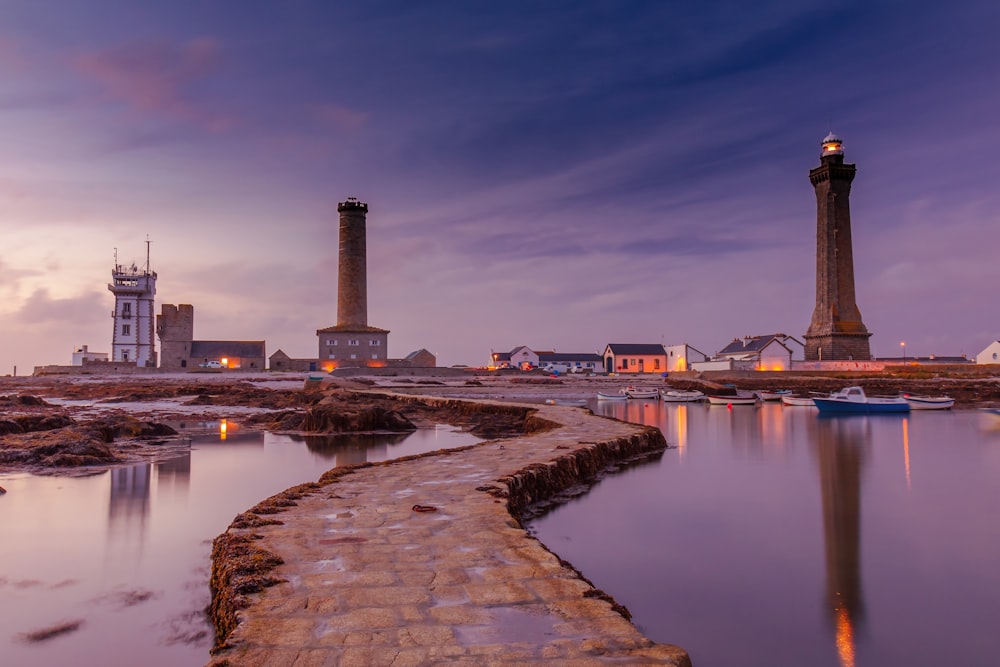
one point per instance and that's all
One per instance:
(902, 344)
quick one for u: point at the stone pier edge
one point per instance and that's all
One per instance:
(240, 568)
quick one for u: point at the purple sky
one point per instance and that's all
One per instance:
(561, 177)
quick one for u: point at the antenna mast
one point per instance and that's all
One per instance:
(148, 269)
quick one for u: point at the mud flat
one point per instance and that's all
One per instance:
(424, 560)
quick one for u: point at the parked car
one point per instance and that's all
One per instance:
(211, 364)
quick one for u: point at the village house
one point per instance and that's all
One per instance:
(991, 355)
(625, 358)
(680, 357)
(773, 352)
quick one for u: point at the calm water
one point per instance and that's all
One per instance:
(126, 551)
(771, 536)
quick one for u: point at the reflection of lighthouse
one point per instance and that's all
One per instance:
(841, 445)
(128, 505)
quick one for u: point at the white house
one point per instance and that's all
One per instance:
(82, 354)
(991, 355)
(680, 357)
(774, 352)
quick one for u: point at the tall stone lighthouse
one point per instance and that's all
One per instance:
(836, 331)
(352, 342)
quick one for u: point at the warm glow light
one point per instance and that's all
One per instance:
(223, 427)
(906, 451)
(329, 366)
(225, 362)
(845, 639)
(831, 147)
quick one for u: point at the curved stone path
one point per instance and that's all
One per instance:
(370, 581)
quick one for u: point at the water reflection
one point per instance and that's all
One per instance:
(841, 446)
(128, 504)
(351, 449)
(126, 551)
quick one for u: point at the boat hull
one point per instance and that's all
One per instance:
(773, 395)
(797, 401)
(611, 397)
(870, 407)
(732, 400)
(930, 402)
(681, 396)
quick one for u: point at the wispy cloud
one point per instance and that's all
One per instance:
(156, 77)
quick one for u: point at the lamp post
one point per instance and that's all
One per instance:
(902, 344)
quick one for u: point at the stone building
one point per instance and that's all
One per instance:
(352, 342)
(836, 330)
(179, 351)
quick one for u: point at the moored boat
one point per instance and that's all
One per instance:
(775, 395)
(601, 396)
(852, 400)
(681, 396)
(800, 401)
(640, 392)
(741, 398)
(573, 402)
(929, 402)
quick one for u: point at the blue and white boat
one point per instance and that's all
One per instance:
(852, 400)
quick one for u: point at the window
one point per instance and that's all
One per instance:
(374, 342)
(331, 341)
(126, 330)
(375, 356)
(354, 356)
(354, 342)
(333, 356)
(126, 309)
(632, 362)
(656, 364)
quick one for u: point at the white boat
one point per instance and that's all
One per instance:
(797, 401)
(681, 396)
(741, 398)
(641, 392)
(929, 402)
(601, 396)
(572, 402)
(775, 395)
(852, 400)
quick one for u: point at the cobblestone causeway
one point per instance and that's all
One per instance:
(370, 581)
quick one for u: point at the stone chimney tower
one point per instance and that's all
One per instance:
(352, 278)
(836, 330)
(352, 343)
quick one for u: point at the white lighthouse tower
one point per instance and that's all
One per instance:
(134, 290)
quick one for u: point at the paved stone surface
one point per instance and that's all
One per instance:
(370, 581)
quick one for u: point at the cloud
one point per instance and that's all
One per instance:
(157, 78)
(41, 308)
(341, 117)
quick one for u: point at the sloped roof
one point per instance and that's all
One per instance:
(413, 354)
(346, 329)
(636, 348)
(755, 343)
(227, 348)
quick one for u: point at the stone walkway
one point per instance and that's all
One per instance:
(371, 581)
